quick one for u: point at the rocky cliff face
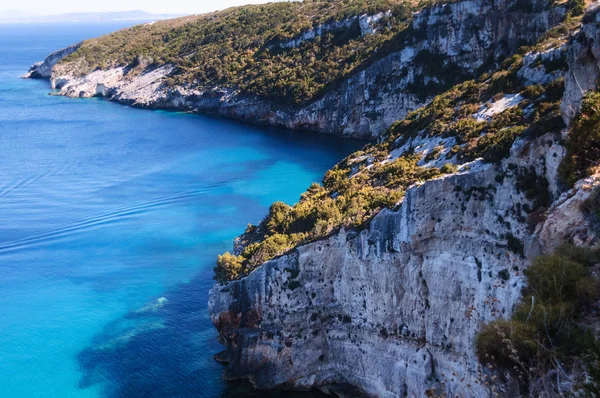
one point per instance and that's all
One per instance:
(394, 308)
(584, 62)
(444, 44)
(44, 69)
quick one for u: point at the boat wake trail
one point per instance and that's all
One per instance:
(77, 225)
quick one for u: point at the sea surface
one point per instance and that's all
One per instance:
(110, 222)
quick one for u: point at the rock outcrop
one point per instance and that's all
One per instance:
(445, 44)
(394, 308)
(584, 66)
(44, 69)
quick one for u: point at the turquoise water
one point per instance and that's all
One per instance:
(111, 219)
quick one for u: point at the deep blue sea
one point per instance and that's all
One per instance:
(110, 222)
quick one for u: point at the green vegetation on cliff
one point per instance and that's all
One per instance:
(250, 47)
(583, 145)
(342, 200)
(286, 52)
(373, 179)
(545, 330)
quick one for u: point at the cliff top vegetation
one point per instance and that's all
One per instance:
(251, 47)
(548, 332)
(285, 52)
(478, 119)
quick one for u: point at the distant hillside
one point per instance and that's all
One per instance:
(285, 51)
(347, 67)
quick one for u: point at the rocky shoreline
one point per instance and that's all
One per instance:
(465, 35)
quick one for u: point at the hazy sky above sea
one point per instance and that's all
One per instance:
(45, 7)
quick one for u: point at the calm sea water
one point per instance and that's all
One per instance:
(110, 222)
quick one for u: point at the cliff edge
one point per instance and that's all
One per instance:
(343, 68)
(391, 299)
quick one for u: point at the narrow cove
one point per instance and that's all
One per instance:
(112, 219)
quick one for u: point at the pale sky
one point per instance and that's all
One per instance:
(53, 7)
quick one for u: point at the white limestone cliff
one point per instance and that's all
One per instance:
(394, 308)
(444, 45)
(584, 66)
(44, 69)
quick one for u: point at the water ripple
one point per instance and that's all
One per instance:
(77, 225)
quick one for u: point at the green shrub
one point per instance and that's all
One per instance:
(545, 326)
(228, 267)
(554, 278)
(448, 168)
(493, 147)
(495, 341)
(576, 7)
(466, 129)
(506, 81)
(533, 91)
(278, 219)
(403, 172)
(582, 255)
(272, 246)
(434, 153)
(561, 287)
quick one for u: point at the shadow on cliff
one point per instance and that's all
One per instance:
(164, 349)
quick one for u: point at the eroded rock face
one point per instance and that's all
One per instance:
(44, 69)
(534, 70)
(566, 220)
(584, 66)
(445, 44)
(394, 309)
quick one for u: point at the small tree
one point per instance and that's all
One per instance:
(229, 267)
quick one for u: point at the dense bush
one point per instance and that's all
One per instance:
(490, 347)
(576, 7)
(545, 327)
(228, 267)
(494, 147)
(448, 168)
(340, 201)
